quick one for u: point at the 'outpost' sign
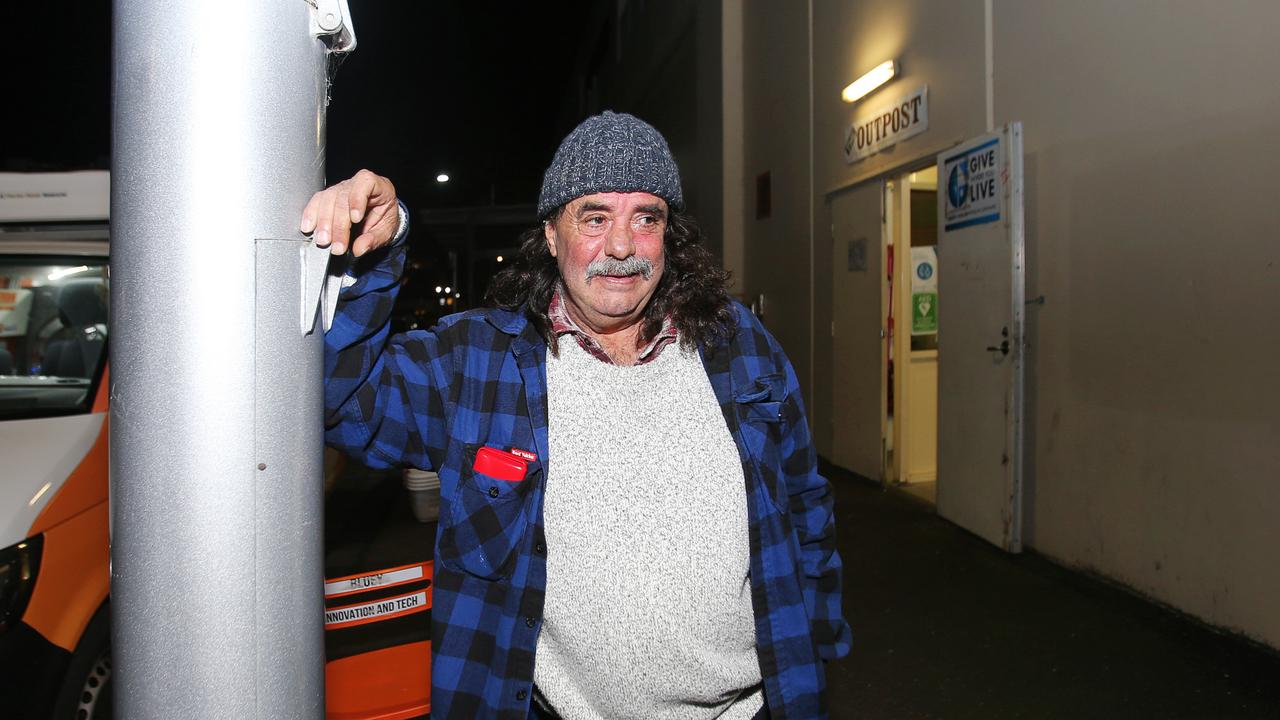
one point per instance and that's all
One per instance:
(888, 124)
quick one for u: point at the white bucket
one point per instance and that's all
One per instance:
(424, 494)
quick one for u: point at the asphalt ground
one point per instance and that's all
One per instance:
(947, 626)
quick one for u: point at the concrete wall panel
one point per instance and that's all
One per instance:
(1150, 136)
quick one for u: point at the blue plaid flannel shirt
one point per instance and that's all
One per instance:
(430, 399)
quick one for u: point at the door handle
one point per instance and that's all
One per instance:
(1003, 349)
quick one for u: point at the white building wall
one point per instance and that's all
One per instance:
(936, 43)
(733, 185)
(775, 99)
(1152, 130)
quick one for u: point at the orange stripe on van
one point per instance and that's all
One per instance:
(85, 487)
(75, 574)
(74, 578)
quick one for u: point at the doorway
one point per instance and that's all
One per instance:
(858, 227)
(884, 267)
(912, 406)
(942, 417)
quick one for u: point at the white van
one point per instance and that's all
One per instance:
(55, 659)
(54, 576)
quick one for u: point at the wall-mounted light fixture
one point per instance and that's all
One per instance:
(878, 76)
(442, 178)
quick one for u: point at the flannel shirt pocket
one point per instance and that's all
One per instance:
(761, 408)
(487, 522)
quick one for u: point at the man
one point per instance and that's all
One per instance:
(631, 521)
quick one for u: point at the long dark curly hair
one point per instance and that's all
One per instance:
(692, 289)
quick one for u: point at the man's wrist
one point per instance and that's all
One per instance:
(402, 232)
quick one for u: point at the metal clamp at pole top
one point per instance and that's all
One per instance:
(332, 19)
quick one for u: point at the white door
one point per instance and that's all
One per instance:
(980, 336)
(857, 266)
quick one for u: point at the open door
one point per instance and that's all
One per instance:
(980, 336)
(857, 266)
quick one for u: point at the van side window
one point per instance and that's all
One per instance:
(53, 334)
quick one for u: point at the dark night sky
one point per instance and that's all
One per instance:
(484, 84)
(480, 89)
(56, 86)
(472, 88)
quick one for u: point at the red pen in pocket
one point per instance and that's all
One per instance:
(500, 465)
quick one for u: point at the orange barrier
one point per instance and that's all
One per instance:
(387, 683)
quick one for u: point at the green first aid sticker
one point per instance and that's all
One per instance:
(924, 313)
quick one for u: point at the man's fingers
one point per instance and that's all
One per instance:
(378, 216)
(308, 223)
(322, 220)
(380, 226)
(381, 192)
(340, 220)
(362, 245)
(362, 189)
(366, 200)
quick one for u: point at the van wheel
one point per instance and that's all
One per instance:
(95, 695)
(86, 689)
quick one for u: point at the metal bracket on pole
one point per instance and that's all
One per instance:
(332, 19)
(314, 265)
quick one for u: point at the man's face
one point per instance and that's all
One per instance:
(609, 249)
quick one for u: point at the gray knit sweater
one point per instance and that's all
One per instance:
(648, 605)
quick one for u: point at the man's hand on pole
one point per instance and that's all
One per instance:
(366, 202)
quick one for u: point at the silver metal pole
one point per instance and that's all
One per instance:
(216, 507)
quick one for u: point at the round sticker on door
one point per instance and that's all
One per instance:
(924, 271)
(958, 185)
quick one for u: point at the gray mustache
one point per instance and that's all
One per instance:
(613, 266)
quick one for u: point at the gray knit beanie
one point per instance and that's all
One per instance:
(611, 152)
